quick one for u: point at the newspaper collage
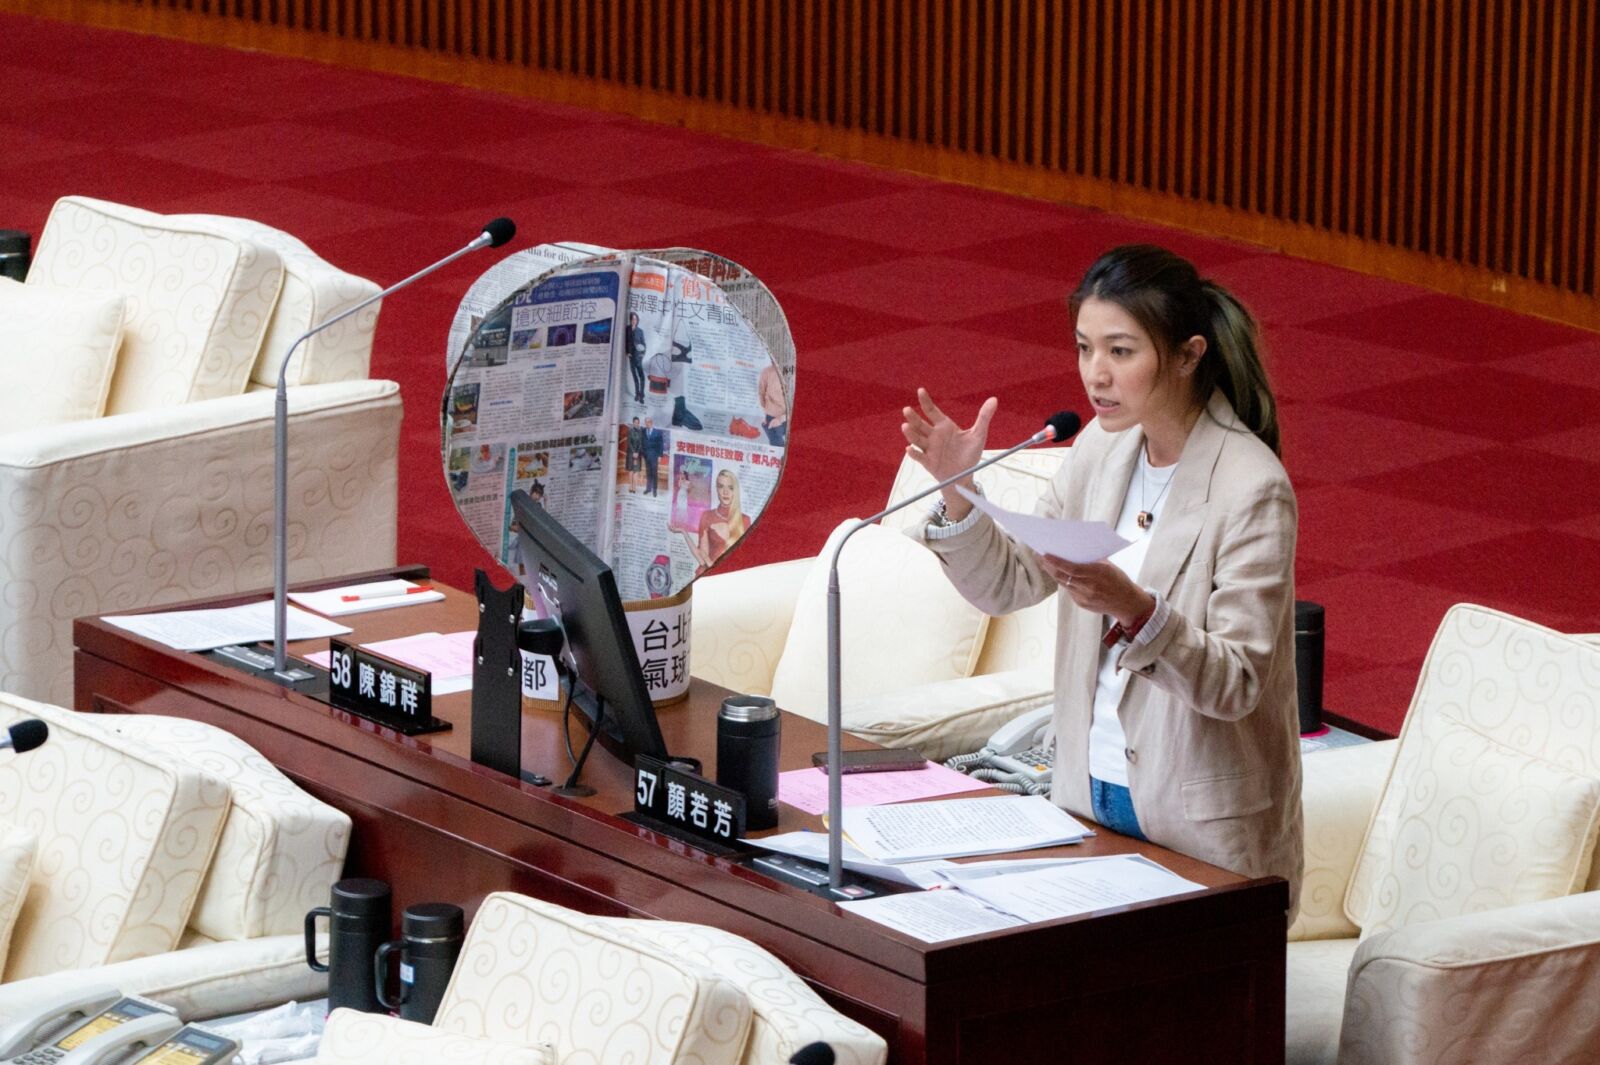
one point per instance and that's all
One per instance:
(627, 395)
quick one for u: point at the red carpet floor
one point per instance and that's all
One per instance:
(1442, 451)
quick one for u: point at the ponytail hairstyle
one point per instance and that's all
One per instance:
(1170, 301)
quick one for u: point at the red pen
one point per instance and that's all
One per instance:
(386, 595)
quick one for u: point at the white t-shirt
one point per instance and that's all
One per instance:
(1107, 742)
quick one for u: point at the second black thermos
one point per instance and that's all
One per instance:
(430, 941)
(747, 755)
(1308, 659)
(359, 920)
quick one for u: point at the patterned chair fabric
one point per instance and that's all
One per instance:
(355, 1038)
(742, 620)
(125, 835)
(144, 823)
(199, 301)
(531, 972)
(281, 850)
(169, 497)
(1496, 984)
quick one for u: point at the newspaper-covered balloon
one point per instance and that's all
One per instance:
(643, 398)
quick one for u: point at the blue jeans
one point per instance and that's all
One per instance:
(1113, 808)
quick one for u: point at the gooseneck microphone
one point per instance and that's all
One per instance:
(25, 735)
(494, 234)
(1060, 426)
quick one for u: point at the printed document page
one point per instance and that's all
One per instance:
(1082, 887)
(1074, 541)
(954, 828)
(202, 630)
(932, 916)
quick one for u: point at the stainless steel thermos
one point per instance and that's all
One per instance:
(747, 755)
(430, 940)
(359, 920)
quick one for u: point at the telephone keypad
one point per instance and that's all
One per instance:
(45, 1055)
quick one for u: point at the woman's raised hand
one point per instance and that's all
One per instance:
(940, 446)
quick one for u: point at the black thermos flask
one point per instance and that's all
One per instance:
(747, 755)
(1308, 651)
(359, 920)
(430, 940)
(14, 254)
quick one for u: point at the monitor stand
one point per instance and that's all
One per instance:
(572, 789)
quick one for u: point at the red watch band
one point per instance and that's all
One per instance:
(1120, 634)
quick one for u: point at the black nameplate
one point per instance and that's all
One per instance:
(380, 689)
(684, 801)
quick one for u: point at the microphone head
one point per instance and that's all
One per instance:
(813, 1054)
(1063, 425)
(500, 231)
(26, 735)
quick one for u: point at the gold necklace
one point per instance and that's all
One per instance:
(1146, 516)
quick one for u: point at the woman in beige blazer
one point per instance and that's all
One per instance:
(1179, 650)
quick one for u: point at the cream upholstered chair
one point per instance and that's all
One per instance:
(162, 491)
(743, 638)
(1464, 853)
(170, 860)
(604, 989)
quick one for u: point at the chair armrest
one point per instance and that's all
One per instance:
(355, 1038)
(741, 622)
(161, 506)
(948, 717)
(206, 980)
(1339, 791)
(1513, 984)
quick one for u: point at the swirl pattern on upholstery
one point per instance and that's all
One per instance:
(160, 507)
(125, 836)
(313, 291)
(60, 347)
(532, 972)
(1510, 985)
(1340, 790)
(355, 1038)
(785, 1013)
(741, 620)
(1519, 686)
(280, 851)
(18, 846)
(198, 302)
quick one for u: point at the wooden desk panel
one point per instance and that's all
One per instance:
(1200, 977)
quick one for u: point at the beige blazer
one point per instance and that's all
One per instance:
(1210, 710)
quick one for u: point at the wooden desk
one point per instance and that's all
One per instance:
(1197, 978)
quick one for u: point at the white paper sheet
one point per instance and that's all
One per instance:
(955, 828)
(202, 630)
(378, 595)
(1074, 541)
(1082, 887)
(813, 846)
(932, 916)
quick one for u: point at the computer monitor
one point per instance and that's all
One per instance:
(568, 582)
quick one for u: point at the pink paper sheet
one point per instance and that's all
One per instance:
(807, 789)
(449, 655)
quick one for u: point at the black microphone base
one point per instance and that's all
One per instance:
(814, 878)
(297, 676)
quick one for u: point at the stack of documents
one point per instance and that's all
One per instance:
(201, 630)
(977, 900)
(957, 828)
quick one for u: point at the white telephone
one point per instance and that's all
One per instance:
(38, 1022)
(117, 1033)
(1019, 757)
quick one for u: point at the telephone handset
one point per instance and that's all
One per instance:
(129, 1024)
(42, 1020)
(1019, 757)
(190, 1045)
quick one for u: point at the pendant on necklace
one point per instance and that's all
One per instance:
(1145, 519)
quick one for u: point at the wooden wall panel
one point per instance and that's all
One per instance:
(1451, 142)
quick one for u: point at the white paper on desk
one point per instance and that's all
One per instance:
(932, 916)
(813, 847)
(1082, 887)
(955, 828)
(202, 630)
(1075, 541)
(330, 601)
